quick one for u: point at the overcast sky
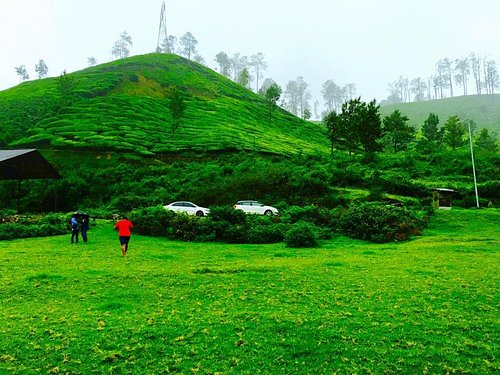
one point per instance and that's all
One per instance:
(367, 42)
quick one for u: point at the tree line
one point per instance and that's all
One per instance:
(358, 126)
(450, 75)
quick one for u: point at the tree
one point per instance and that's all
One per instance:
(244, 78)
(224, 64)
(397, 132)
(333, 96)
(91, 61)
(454, 131)
(41, 69)
(486, 140)
(188, 43)
(369, 126)
(419, 88)
(22, 73)
(475, 63)
(272, 95)
(199, 59)
(259, 65)
(447, 66)
(238, 63)
(168, 44)
(177, 106)
(462, 71)
(334, 126)
(120, 49)
(430, 129)
(491, 78)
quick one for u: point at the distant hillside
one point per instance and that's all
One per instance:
(483, 109)
(123, 106)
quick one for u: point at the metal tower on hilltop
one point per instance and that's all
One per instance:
(162, 30)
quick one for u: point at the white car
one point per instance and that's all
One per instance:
(188, 207)
(255, 207)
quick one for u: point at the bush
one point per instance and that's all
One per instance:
(192, 228)
(152, 221)
(261, 234)
(312, 214)
(377, 222)
(301, 234)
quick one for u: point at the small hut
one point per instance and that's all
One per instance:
(441, 198)
(25, 164)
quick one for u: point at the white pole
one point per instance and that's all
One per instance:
(473, 167)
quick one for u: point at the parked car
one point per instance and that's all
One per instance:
(255, 207)
(188, 207)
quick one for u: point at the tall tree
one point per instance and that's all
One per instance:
(475, 64)
(369, 125)
(22, 73)
(486, 140)
(224, 64)
(397, 132)
(244, 78)
(238, 63)
(272, 95)
(177, 106)
(334, 127)
(454, 132)
(258, 64)
(292, 97)
(168, 44)
(121, 48)
(41, 69)
(188, 45)
(419, 88)
(462, 71)
(67, 86)
(490, 76)
(430, 129)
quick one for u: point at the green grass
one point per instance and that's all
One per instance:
(425, 306)
(123, 106)
(483, 109)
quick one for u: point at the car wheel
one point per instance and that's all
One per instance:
(199, 213)
(268, 213)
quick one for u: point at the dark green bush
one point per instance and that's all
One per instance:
(377, 222)
(260, 234)
(312, 214)
(152, 221)
(227, 214)
(192, 228)
(301, 234)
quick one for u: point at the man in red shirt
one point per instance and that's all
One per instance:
(124, 227)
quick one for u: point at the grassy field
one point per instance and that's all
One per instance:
(425, 306)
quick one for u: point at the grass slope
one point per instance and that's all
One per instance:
(123, 105)
(482, 109)
(425, 306)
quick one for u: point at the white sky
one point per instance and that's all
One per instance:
(367, 42)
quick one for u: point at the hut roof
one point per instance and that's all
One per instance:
(24, 165)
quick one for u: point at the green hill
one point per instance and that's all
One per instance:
(123, 106)
(482, 109)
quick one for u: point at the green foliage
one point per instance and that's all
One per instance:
(152, 221)
(397, 132)
(13, 226)
(487, 140)
(430, 129)
(378, 222)
(124, 106)
(454, 132)
(301, 234)
(177, 106)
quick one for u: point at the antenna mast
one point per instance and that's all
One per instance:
(162, 30)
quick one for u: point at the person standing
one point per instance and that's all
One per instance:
(74, 229)
(124, 227)
(85, 227)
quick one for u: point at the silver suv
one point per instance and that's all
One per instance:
(255, 207)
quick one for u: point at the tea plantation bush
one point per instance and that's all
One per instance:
(301, 234)
(377, 222)
(152, 221)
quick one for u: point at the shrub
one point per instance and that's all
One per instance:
(228, 215)
(377, 222)
(260, 234)
(152, 221)
(301, 234)
(192, 228)
(312, 214)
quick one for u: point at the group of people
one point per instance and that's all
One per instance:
(77, 225)
(124, 227)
